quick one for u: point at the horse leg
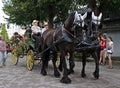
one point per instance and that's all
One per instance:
(60, 66)
(45, 59)
(71, 63)
(65, 78)
(43, 71)
(96, 72)
(83, 64)
(54, 59)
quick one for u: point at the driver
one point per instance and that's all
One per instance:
(36, 33)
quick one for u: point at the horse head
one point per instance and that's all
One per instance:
(79, 19)
(79, 26)
(75, 19)
(95, 24)
(74, 24)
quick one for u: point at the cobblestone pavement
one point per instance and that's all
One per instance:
(19, 77)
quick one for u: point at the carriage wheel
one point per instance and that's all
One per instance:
(14, 57)
(29, 60)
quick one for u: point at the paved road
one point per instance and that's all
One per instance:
(19, 77)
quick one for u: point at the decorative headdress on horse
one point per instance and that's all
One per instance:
(80, 18)
(96, 19)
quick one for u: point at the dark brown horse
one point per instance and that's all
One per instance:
(90, 44)
(62, 40)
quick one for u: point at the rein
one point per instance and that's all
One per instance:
(68, 32)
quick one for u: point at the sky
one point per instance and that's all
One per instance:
(2, 14)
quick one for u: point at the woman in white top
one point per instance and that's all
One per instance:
(110, 51)
(36, 33)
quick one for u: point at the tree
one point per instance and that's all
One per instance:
(113, 8)
(24, 11)
(20, 12)
(4, 33)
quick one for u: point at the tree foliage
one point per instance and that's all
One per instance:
(19, 11)
(4, 33)
(22, 12)
(113, 8)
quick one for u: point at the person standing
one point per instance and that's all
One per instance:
(2, 52)
(103, 49)
(36, 33)
(110, 51)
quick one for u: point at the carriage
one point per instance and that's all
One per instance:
(23, 47)
(9, 47)
(72, 36)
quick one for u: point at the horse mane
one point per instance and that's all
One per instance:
(47, 33)
(69, 21)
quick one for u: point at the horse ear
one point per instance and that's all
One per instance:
(100, 16)
(84, 16)
(76, 16)
(93, 15)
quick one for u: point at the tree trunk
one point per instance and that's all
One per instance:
(51, 14)
(101, 8)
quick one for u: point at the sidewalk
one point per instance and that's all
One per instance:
(19, 77)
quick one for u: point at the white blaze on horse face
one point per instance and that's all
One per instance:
(96, 19)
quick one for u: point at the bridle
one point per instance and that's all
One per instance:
(94, 29)
(96, 20)
(68, 32)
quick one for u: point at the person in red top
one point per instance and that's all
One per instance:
(103, 49)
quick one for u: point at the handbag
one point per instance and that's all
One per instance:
(109, 51)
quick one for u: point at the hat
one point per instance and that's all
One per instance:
(34, 21)
(45, 23)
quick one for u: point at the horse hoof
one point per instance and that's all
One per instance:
(65, 80)
(96, 75)
(43, 72)
(56, 74)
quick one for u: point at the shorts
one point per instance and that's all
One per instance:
(109, 51)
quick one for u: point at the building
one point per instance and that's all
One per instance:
(113, 29)
(11, 28)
